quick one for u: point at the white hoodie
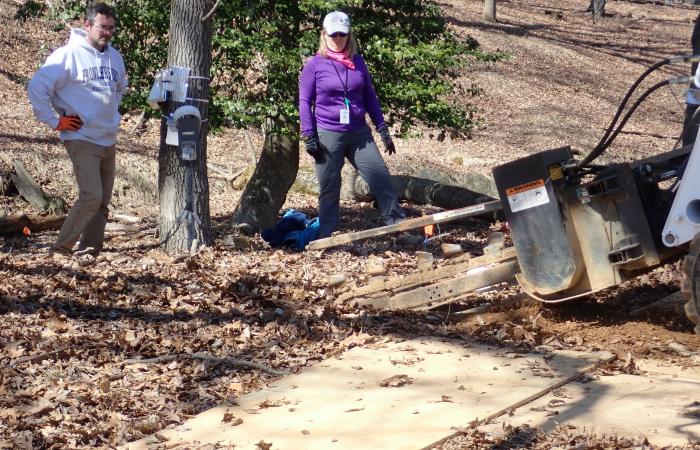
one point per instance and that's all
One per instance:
(78, 79)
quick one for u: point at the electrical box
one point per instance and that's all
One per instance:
(188, 123)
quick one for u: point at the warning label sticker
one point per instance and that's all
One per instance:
(527, 195)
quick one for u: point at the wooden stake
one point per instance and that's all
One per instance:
(410, 224)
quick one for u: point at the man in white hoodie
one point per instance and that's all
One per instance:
(77, 92)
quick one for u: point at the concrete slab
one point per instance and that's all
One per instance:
(657, 368)
(650, 406)
(395, 395)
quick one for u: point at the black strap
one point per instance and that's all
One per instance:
(345, 86)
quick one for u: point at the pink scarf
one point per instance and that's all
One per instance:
(341, 57)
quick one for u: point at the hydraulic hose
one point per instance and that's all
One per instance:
(687, 126)
(629, 93)
(604, 141)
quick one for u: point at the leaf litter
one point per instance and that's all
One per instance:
(99, 351)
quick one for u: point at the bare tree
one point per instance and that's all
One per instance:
(180, 219)
(490, 10)
(274, 174)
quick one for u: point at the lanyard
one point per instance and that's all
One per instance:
(345, 86)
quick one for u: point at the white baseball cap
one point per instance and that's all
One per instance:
(336, 22)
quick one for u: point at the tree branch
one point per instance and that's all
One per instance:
(211, 11)
(27, 359)
(224, 174)
(206, 357)
(139, 122)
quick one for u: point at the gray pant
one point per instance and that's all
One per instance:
(94, 168)
(359, 148)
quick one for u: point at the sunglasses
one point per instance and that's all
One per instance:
(338, 35)
(107, 28)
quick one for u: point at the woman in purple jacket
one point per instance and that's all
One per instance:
(335, 92)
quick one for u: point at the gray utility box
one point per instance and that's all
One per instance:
(573, 234)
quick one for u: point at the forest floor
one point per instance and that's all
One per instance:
(72, 327)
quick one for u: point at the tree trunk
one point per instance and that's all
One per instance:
(274, 174)
(190, 46)
(30, 190)
(476, 182)
(692, 116)
(490, 10)
(425, 192)
(412, 189)
(278, 164)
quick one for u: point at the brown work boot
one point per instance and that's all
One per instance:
(60, 251)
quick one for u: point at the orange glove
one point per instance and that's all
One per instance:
(69, 123)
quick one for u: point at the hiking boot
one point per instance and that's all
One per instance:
(392, 220)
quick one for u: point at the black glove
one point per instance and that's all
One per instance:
(389, 146)
(313, 146)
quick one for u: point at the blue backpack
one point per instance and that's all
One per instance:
(294, 230)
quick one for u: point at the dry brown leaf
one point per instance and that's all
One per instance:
(262, 445)
(231, 419)
(40, 407)
(354, 409)
(271, 404)
(396, 381)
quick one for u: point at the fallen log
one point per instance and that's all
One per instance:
(30, 190)
(10, 225)
(128, 227)
(416, 190)
(473, 181)
(423, 191)
(15, 224)
(126, 218)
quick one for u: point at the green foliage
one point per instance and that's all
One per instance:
(29, 10)
(142, 37)
(67, 10)
(255, 62)
(259, 46)
(419, 94)
(414, 59)
(61, 11)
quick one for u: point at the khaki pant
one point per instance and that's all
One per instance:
(94, 168)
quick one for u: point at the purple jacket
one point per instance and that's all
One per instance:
(322, 94)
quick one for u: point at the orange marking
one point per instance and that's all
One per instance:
(525, 187)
